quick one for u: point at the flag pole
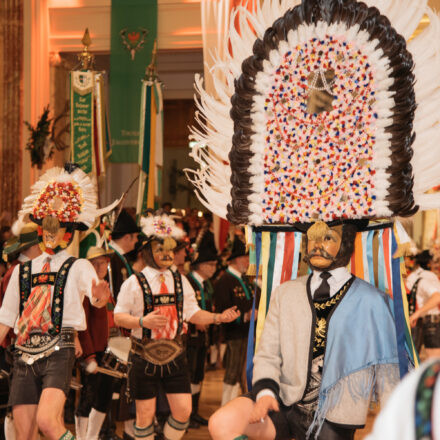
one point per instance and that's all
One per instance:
(151, 106)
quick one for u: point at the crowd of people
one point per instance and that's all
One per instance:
(167, 283)
(318, 132)
(159, 388)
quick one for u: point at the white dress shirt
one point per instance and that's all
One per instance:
(198, 277)
(235, 271)
(428, 285)
(116, 247)
(78, 284)
(339, 277)
(131, 298)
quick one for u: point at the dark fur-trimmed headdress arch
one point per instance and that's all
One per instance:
(325, 115)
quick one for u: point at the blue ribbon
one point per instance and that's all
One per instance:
(251, 336)
(296, 252)
(399, 315)
(370, 256)
(381, 264)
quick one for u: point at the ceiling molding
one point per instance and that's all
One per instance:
(69, 18)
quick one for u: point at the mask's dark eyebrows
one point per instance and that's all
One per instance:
(332, 235)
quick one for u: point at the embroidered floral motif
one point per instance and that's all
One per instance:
(321, 326)
(320, 162)
(239, 292)
(331, 302)
(424, 399)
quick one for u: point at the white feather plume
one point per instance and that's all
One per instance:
(18, 226)
(161, 226)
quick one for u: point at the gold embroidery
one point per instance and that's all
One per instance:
(321, 327)
(321, 323)
(332, 301)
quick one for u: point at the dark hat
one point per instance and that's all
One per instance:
(423, 259)
(142, 241)
(124, 224)
(206, 250)
(28, 237)
(183, 243)
(238, 249)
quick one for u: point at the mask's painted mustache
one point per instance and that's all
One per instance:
(320, 253)
(166, 258)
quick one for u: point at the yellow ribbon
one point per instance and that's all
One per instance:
(265, 248)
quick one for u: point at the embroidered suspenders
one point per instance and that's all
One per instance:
(124, 260)
(151, 300)
(27, 281)
(202, 290)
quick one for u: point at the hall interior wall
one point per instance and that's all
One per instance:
(179, 58)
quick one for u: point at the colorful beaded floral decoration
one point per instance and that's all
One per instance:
(161, 228)
(59, 199)
(320, 164)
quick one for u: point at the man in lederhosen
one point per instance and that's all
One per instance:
(233, 290)
(123, 240)
(424, 285)
(124, 237)
(96, 394)
(43, 302)
(202, 269)
(18, 250)
(155, 304)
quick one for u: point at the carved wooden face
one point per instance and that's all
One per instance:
(162, 255)
(53, 239)
(323, 248)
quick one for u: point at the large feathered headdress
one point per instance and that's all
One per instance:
(323, 111)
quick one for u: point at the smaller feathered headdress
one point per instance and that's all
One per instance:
(162, 228)
(67, 194)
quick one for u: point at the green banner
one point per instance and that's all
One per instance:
(133, 31)
(81, 119)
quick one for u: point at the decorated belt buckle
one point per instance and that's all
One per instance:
(162, 351)
(37, 346)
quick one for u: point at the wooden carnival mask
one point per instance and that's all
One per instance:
(329, 247)
(163, 253)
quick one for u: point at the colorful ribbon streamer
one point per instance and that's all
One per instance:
(251, 336)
